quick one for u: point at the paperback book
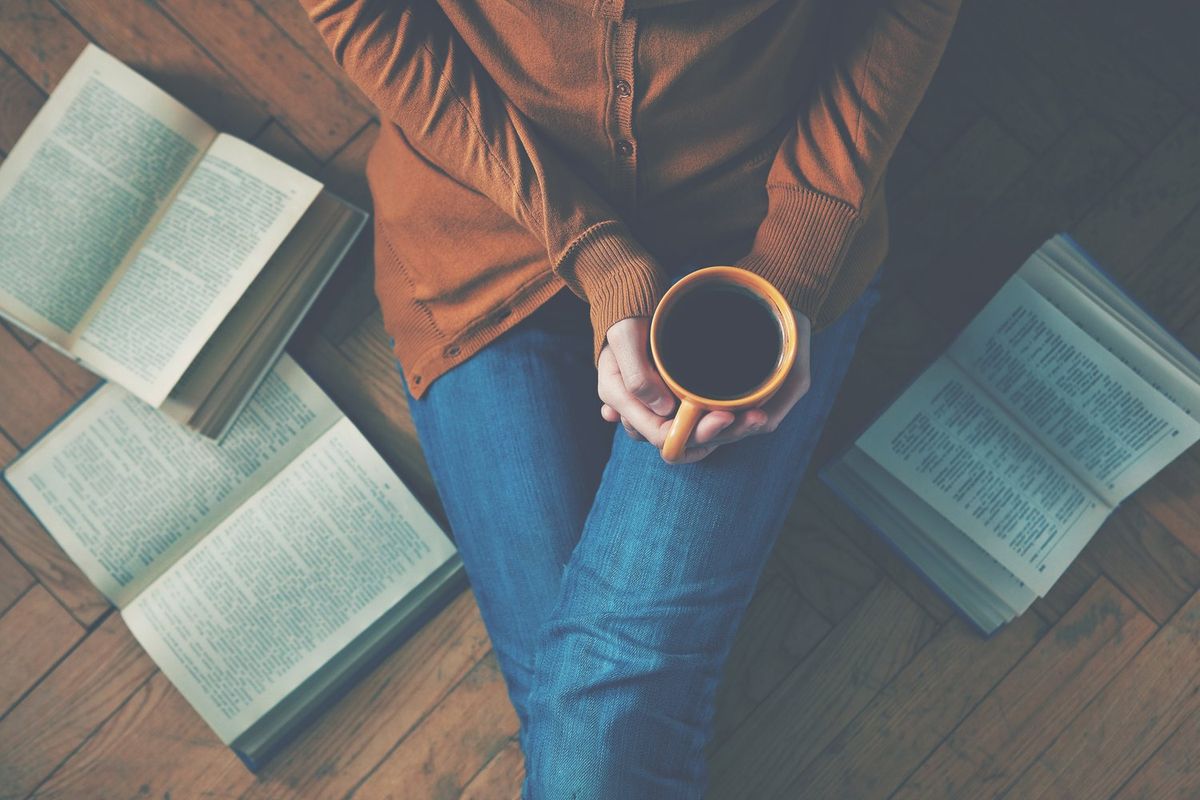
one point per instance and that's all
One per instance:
(995, 466)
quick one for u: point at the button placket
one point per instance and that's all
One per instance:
(623, 88)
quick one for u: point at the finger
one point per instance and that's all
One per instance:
(642, 380)
(634, 416)
(609, 413)
(748, 423)
(633, 434)
(711, 425)
(693, 454)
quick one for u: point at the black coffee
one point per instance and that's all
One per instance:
(719, 341)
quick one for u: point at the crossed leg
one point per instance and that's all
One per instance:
(611, 598)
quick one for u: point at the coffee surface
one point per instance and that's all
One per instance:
(719, 342)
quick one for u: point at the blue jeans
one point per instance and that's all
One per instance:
(611, 583)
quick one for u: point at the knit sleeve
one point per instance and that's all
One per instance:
(413, 65)
(884, 54)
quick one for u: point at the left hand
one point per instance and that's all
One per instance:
(716, 428)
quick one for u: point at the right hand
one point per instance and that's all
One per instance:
(634, 394)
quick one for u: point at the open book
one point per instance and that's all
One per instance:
(263, 574)
(162, 255)
(998, 463)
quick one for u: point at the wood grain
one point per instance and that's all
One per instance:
(811, 705)
(1025, 713)
(474, 723)
(880, 747)
(153, 746)
(39, 552)
(69, 704)
(351, 738)
(36, 632)
(285, 79)
(1128, 720)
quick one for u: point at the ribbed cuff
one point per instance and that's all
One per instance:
(615, 275)
(801, 244)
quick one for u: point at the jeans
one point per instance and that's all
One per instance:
(611, 583)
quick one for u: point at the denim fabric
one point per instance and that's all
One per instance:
(611, 583)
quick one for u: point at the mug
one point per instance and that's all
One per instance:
(693, 405)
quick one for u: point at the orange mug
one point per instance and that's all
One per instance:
(692, 405)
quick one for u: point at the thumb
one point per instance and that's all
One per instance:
(629, 340)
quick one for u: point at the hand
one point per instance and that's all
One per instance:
(634, 394)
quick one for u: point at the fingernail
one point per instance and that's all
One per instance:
(661, 406)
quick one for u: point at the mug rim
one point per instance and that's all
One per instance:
(782, 311)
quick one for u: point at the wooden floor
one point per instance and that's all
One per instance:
(850, 679)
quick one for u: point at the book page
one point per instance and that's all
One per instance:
(1084, 295)
(125, 490)
(230, 215)
(85, 180)
(962, 454)
(287, 581)
(1094, 413)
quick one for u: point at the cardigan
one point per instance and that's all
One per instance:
(529, 147)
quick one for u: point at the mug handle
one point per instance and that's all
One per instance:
(681, 430)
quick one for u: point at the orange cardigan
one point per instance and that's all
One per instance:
(528, 145)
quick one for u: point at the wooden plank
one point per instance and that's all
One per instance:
(350, 738)
(276, 140)
(33, 399)
(463, 733)
(1069, 589)
(71, 702)
(823, 565)
(908, 164)
(1003, 72)
(36, 632)
(20, 100)
(947, 109)
(1146, 561)
(898, 570)
(1143, 209)
(1174, 295)
(778, 631)
(289, 17)
(155, 745)
(15, 580)
(142, 36)
(285, 79)
(1157, 34)
(39, 40)
(1173, 773)
(1170, 497)
(27, 339)
(8, 450)
(991, 748)
(500, 778)
(949, 676)
(1101, 77)
(961, 182)
(73, 377)
(38, 551)
(1054, 192)
(804, 713)
(1128, 720)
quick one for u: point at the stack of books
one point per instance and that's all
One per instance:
(256, 544)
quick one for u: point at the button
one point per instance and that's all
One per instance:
(501, 314)
(625, 148)
(624, 89)
(417, 379)
(453, 350)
